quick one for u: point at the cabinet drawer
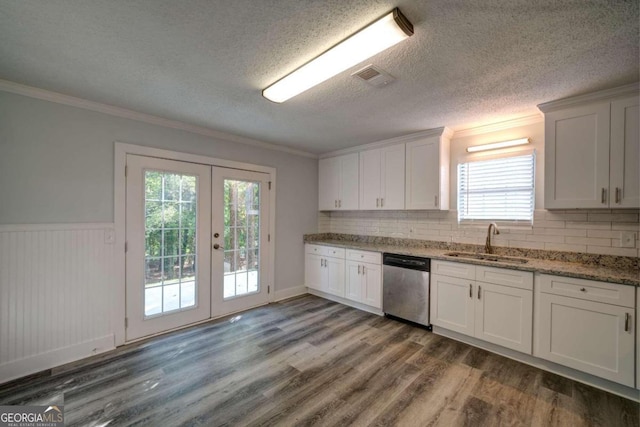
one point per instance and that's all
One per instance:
(505, 276)
(364, 256)
(454, 269)
(590, 290)
(328, 251)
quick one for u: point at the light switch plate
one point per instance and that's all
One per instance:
(627, 239)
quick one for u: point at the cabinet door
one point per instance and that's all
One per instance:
(349, 179)
(328, 183)
(504, 316)
(625, 154)
(354, 281)
(372, 285)
(334, 276)
(587, 336)
(392, 177)
(577, 157)
(313, 266)
(423, 174)
(452, 304)
(370, 179)
(638, 341)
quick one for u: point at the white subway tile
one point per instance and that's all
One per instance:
(563, 216)
(576, 232)
(628, 226)
(595, 241)
(606, 234)
(545, 239)
(549, 224)
(626, 217)
(589, 225)
(564, 247)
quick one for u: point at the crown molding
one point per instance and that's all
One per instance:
(496, 127)
(72, 101)
(442, 131)
(607, 94)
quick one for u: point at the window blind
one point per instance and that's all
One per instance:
(497, 189)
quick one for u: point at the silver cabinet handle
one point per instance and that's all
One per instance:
(339, 203)
(618, 195)
(627, 322)
(604, 195)
(435, 201)
(479, 289)
(321, 262)
(358, 269)
(381, 202)
(470, 290)
(583, 290)
(363, 270)
(335, 203)
(377, 203)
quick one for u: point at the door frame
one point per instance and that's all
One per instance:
(119, 206)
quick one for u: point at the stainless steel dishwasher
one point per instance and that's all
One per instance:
(405, 287)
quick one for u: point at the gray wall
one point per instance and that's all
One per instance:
(56, 166)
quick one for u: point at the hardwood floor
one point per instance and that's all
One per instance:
(309, 361)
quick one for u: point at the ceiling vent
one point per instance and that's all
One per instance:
(373, 76)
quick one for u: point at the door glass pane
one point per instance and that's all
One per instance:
(170, 242)
(241, 237)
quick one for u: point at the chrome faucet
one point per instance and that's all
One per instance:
(487, 246)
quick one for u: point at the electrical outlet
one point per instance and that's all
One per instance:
(627, 239)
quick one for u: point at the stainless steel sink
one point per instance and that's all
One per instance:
(488, 257)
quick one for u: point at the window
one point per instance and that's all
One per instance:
(497, 189)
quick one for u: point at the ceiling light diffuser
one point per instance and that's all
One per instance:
(376, 37)
(496, 145)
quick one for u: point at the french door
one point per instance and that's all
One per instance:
(196, 243)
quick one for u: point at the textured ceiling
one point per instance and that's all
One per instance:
(205, 62)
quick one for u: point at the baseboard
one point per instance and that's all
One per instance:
(600, 383)
(51, 359)
(290, 292)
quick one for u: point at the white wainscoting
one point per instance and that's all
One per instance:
(57, 290)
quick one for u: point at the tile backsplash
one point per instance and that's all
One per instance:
(587, 231)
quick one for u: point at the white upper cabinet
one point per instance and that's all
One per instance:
(427, 173)
(338, 183)
(382, 175)
(624, 181)
(591, 152)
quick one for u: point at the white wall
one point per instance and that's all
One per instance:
(57, 170)
(587, 231)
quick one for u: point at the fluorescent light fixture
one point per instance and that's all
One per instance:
(376, 37)
(496, 145)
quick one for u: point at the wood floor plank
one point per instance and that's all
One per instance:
(312, 362)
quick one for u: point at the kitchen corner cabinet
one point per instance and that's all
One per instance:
(325, 269)
(427, 173)
(591, 154)
(382, 175)
(338, 183)
(364, 278)
(586, 325)
(491, 304)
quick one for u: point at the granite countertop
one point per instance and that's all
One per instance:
(621, 274)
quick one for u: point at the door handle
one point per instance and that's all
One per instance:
(479, 289)
(217, 246)
(627, 322)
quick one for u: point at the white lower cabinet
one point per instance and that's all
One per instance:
(500, 311)
(325, 269)
(578, 327)
(364, 277)
(350, 274)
